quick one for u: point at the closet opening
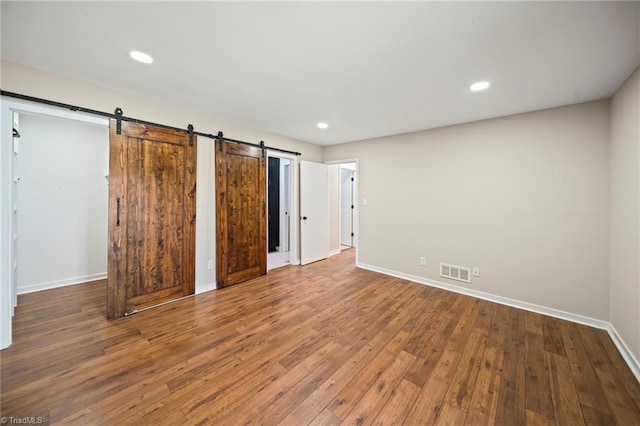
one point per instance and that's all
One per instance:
(59, 198)
(279, 209)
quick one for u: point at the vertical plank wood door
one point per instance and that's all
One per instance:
(152, 205)
(241, 236)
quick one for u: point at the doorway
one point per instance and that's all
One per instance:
(15, 202)
(348, 201)
(343, 206)
(279, 211)
(59, 197)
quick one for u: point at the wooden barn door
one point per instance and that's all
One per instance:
(241, 239)
(152, 205)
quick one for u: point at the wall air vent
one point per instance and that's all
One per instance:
(454, 272)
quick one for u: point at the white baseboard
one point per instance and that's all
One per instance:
(61, 283)
(624, 350)
(88, 278)
(628, 356)
(334, 252)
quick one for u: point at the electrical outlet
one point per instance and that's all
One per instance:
(210, 264)
(423, 261)
(476, 271)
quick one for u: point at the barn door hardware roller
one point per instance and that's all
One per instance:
(190, 129)
(118, 114)
(220, 137)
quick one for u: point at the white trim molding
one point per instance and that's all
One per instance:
(624, 350)
(626, 354)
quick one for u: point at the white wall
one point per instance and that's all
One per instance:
(205, 216)
(625, 213)
(524, 198)
(62, 198)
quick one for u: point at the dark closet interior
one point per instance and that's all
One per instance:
(273, 197)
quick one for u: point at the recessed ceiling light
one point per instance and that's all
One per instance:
(322, 125)
(479, 86)
(141, 57)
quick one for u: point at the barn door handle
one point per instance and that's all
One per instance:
(118, 211)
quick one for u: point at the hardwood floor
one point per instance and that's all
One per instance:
(322, 344)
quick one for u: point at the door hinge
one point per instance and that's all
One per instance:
(353, 235)
(352, 206)
(352, 180)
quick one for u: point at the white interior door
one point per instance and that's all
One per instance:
(314, 212)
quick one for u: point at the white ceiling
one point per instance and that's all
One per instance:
(369, 69)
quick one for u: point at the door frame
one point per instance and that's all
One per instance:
(294, 208)
(7, 295)
(356, 215)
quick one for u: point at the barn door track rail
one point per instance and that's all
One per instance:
(118, 115)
